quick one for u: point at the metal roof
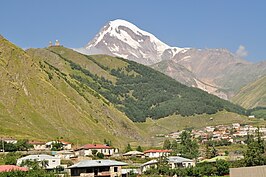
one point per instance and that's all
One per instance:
(173, 159)
(39, 157)
(97, 163)
(177, 159)
(150, 162)
(133, 153)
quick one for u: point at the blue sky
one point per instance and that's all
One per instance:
(188, 23)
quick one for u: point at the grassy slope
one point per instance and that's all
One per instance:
(39, 100)
(252, 95)
(36, 107)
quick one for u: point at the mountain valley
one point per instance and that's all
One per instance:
(216, 71)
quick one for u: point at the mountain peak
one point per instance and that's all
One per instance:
(119, 22)
(124, 39)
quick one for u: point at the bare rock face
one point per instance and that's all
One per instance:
(216, 71)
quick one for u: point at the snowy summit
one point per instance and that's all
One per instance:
(123, 39)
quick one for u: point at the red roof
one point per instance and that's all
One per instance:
(156, 150)
(6, 168)
(95, 146)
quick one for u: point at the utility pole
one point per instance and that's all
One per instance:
(3, 144)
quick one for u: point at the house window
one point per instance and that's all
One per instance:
(115, 169)
(53, 161)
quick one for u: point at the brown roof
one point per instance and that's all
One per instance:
(36, 142)
(95, 146)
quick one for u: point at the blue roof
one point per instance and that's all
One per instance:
(97, 163)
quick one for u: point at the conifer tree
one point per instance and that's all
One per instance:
(255, 151)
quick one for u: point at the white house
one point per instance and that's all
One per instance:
(209, 129)
(134, 154)
(154, 153)
(64, 154)
(51, 162)
(177, 162)
(38, 146)
(87, 150)
(9, 140)
(173, 162)
(236, 126)
(66, 145)
(150, 164)
(91, 168)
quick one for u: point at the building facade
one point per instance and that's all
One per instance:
(96, 168)
(91, 149)
(45, 161)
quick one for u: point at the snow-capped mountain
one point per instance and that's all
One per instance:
(216, 71)
(124, 39)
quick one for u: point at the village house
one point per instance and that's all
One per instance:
(64, 154)
(46, 161)
(173, 162)
(134, 154)
(180, 162)
(95, 168)
(209, 129)
(91, 149)
(175, 135)
(37, 145)
(148, 165)
(154, 153)
(66, 145)
(236, 126)
(9, 140)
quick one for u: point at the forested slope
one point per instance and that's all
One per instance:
(135, 89)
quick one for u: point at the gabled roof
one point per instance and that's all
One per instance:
(6, 168)
(56, 141)
(133, 153)
(97, 163)
(156, 150)
(95, 146)
(39, 157)
(173, 159)
(150, 162)
(177, 159)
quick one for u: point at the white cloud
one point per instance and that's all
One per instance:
(241, 51)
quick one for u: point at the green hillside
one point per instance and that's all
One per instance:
(135, 89)
(39, 101)
(176, 122)
(252, 95)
